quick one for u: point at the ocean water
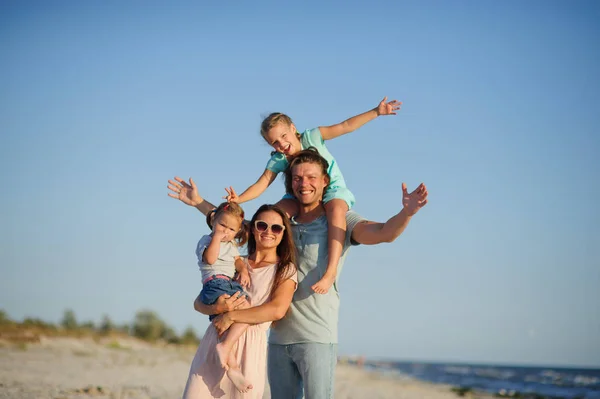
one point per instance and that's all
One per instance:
(527, 381)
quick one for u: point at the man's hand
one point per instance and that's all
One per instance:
(222, 323)
(231, 195)
(184, 192)
(414, 201)
(388, 108)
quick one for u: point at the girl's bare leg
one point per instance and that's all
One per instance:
(336, 210)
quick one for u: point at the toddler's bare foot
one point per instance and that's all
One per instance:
(238, 379)
(323, 285)
(222, 354)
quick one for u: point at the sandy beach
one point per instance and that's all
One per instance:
(69, 368)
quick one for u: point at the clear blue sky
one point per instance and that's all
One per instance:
(102, 101)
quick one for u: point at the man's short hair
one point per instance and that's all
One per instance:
(309, 155)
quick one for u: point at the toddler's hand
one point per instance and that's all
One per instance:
(243, 277)
(219, 234)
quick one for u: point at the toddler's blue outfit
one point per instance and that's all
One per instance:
(217, 279)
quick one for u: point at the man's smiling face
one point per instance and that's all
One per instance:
(308, 183)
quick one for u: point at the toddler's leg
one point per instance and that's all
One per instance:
(228, 361)
(224, 347)
(336, 234)
(236, 376)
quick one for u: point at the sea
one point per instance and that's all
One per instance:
(509, 381)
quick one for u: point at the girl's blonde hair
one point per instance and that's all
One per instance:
(232, 209)
(272, 120)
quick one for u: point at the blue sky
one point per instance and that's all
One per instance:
(102, 102)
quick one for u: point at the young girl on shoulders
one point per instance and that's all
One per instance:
(281, 134)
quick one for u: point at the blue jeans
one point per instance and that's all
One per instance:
(298, 369)
(213, 289)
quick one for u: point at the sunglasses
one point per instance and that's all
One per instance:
(262, 226)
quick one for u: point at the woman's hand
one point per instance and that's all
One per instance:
(184, 191)
(227, 303)
(222, 323)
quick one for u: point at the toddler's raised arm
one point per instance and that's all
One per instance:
(211, 253)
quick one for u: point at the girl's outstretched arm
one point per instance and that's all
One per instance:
(350, 125)
(255, 190)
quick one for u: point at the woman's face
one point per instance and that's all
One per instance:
(267, 239)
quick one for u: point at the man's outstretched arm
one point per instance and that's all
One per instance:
(188, 194)
(370, 233)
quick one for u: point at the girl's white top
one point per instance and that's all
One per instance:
(225, 263)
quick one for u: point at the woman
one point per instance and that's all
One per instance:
(271, 265)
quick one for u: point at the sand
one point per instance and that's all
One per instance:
(69, 368)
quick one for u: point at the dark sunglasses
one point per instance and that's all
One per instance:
(262, 226)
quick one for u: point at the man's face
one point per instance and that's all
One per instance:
(308, 183)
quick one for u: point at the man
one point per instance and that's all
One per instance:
(303, 345)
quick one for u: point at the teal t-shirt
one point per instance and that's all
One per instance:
(311, 138)
(313, 317)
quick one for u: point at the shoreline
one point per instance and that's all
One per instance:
(119, 368)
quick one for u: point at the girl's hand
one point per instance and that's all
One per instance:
(231, 195)
(222, 323)
(184, 192)
(388, 108)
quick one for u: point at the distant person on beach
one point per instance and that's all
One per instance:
(273, 279)
(279, 132)
(303, 345)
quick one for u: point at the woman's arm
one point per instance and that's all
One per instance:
(255, 190)
(350, 125)
(273, 310)
(225, 303)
